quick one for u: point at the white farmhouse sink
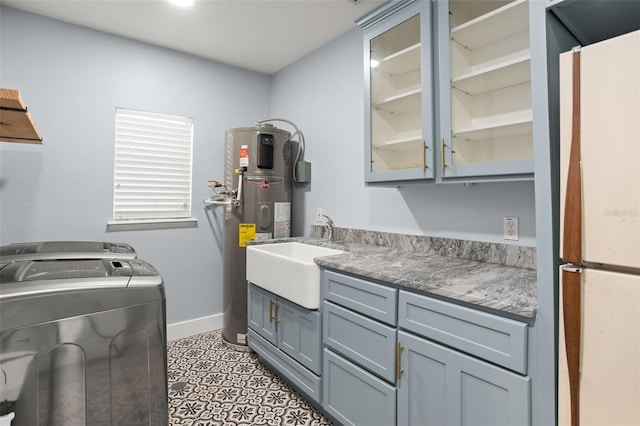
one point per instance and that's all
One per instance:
(287, 269)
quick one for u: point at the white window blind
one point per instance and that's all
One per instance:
(152, 172)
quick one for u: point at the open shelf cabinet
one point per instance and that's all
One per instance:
(485, 88)
(399, 104)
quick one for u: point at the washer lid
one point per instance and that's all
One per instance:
(34, 277)
(47, 270)
(65, 250)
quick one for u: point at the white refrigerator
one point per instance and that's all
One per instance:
(599, 297)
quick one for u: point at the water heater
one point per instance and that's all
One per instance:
(258, 167)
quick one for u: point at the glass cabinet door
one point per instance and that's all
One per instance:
(487, 122)
(399, 122)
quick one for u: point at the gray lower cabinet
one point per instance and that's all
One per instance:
(442, 364)
(359, 335)
(288, 337)
(441, 386)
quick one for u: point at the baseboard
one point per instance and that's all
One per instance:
(195, 326)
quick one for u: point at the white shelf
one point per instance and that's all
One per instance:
(496, 130)
(403, 102)
(402, 144)
(509, 73)
(401, 62)
(496, 25)
(404, 166)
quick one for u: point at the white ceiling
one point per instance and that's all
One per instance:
(259, 35)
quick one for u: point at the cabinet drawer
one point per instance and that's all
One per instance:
(499, 340)
(362, 340)
(354, 396)
(370, 299)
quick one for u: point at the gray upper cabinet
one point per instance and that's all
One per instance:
(399, 123)
(448, 91)
(484, 95)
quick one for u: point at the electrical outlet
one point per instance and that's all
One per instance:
(510, 228)
(319, 214)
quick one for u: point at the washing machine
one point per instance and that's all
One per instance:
(65, 250)
(83, 342)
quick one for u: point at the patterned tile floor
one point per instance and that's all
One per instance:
(210, 384)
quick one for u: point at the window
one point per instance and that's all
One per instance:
(152, 167)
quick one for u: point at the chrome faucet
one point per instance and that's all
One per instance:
(330, 228)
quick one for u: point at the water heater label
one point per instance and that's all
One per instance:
(282, 220)
(246, 232)
(262, 236)
(244, 155)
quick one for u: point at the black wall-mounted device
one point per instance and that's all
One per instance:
(265, 151)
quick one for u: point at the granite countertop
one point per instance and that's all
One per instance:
(506, 290)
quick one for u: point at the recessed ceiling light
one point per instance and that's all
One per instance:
(182, 3)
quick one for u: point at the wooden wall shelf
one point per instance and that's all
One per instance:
(16, 124)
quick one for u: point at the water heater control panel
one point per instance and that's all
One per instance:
(265, 151)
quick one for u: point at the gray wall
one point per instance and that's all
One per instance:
(323, 94)
(72, 79)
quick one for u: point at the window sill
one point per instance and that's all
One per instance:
(135, 225)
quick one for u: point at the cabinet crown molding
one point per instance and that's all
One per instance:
(381, 12)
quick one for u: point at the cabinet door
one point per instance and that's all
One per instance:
(445, 387)
(399, 96)
(299, 334)
(261, 312)
(484, 62)
(422, 396)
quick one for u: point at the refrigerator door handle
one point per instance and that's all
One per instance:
(572, 250)
(572, 236)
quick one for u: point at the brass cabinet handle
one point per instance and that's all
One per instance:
(399, 369)
(276, 316)
(424, 156)
(270, 311)
(442, 161)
